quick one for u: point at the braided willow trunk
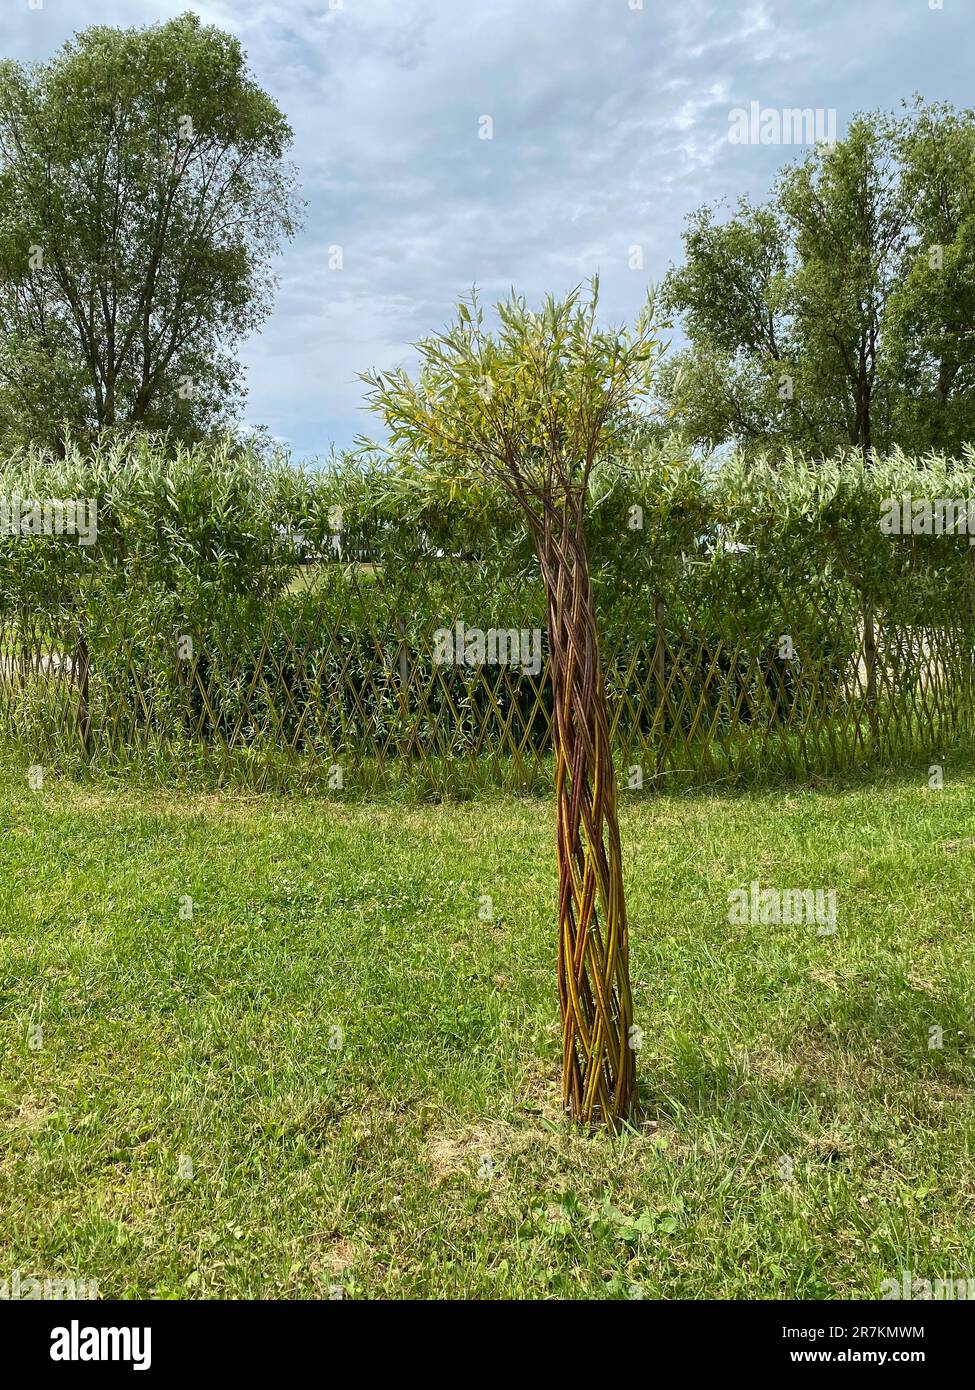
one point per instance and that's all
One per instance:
(598, 1062)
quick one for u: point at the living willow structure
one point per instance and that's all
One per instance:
(532, 407)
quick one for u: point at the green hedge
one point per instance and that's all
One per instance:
(312, 597)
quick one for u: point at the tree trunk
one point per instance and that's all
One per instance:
(659, 671)
(83, 680)
(409, 747)
(598, 1058)
(870, 663)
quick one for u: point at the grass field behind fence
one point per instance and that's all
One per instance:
(799, 1137)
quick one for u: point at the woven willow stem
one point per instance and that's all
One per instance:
(598, 1062)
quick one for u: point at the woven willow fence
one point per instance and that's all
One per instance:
(357, 629)
(357, 678)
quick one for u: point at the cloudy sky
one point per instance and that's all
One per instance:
(610, 124)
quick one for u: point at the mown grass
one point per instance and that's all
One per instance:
(799, 1136)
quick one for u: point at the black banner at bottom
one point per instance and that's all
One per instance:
(163, 1339)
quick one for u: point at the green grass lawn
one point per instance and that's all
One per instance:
(191, 1127)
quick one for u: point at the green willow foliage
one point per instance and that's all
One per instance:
(210, 525)
(312, 596)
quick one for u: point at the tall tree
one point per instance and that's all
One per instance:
(838, 312)
(532, 407)
(931, 324)
(144, 188)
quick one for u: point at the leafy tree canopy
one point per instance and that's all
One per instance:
(532, 406)
(144, 188)
(840, 311)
